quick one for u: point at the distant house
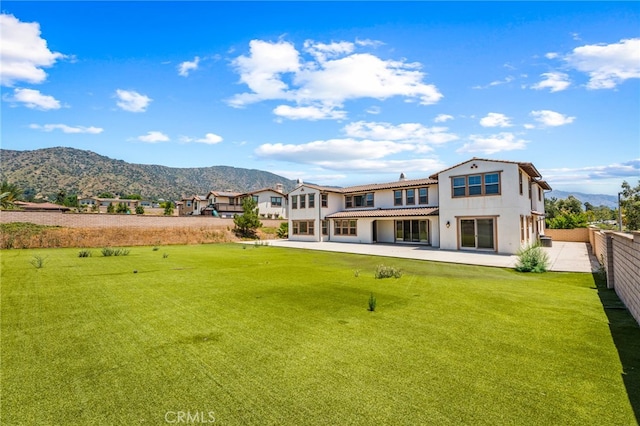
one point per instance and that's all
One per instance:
(101, 204)
(479, 204)
(40, 207)
(271, 202)
(223, 204)
(192, 205)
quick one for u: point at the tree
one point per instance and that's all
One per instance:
(111, 208)
(630, 204)
(564, 213)
(248, 222)
(106, 195)
(139, 209)
(9, 194)
(132, 197)
(168, 208)
(122, 208)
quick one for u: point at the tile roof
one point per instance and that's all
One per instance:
(529, 168)
(374, 186)
(420, 211)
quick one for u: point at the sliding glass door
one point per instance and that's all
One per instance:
(477, 233)
(412, 231)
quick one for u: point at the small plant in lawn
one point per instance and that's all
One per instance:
(383, 271)
(356, 273)
(259, 243)
(165, 255)
(532, 259)
(155, 248)
(38, 261)
(372, 303)
(85, 253)
(107, 251)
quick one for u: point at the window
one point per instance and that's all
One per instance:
(411, 196)
(360, 200)
(276, 201)
(312, 200)
(539, 194)
(520, 181)
(294, 201)
(303, 201)
(303, 227)
(323, 200)
(397, 197)
(325, 227)
(530, 189)
(188, 203)
(459, 187)
(475, 185)
(255, 198)
(423, 196)
(346, 227)
(492, 183)
(369, 199)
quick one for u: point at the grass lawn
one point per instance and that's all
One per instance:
(266, 335)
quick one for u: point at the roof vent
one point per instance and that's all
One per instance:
(402, 177)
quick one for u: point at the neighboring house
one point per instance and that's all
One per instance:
(103, 203)
(272, 203)
(40, 207)
(193, 205)
(476, 205)
(223, 204)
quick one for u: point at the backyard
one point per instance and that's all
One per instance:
(253, 334)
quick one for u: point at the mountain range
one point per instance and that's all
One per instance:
(45, 172)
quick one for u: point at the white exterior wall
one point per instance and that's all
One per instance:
(265, 207)
(506, 207)
(307, 213)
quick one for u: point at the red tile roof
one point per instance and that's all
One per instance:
(420, 211)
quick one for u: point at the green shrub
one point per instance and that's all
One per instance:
(383, 271)
(107, 251)
(283, 230)
(532, 259)
(372, 303)
(85, 253)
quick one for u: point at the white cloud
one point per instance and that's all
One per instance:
(130, 100)
(441, 118)
(309, 112)
(551, 118)
(414, 133)
(554, 81)
(492, 144)
(332, 150)
(33, 99)
(330, 75)
(23, 53)
(188, 66)
(494, 119)
(210, 139)
(67, 129)
(373, 110)
(607, 64)
(153, 137)
(506, 80)
(551, 55)
(613, 173)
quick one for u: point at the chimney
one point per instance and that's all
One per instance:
(299, 183)
(402, 177)
(279, 187)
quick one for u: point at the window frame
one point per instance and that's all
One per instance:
(410, 200)
(294, 202)
(426, 195)
(298, 225)
(324, 200)
(397, 197)
(311, 201)
(303, 201)
(345, 227)
(456, 186)
(277, 203)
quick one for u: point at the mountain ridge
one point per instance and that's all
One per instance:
(47, 171)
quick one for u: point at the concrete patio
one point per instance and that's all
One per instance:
(563, 256)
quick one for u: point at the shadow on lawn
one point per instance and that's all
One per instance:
(626, 336)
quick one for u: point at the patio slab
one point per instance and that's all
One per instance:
(563, 256)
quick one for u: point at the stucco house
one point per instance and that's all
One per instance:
(479, 204)
(272, 203)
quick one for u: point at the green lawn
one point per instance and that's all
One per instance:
(265, 335)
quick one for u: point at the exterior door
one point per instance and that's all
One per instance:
(415, 231)
(477, 233)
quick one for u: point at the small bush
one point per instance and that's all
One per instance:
(85, 253)
(532, 259)
(38, 261)
(165, 255)
(283, 230)
(156, 249)
(372, 303)
(108, 251)
(383, 271)
(356, 273)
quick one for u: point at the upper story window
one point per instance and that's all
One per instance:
(276, 201)
(255, 198)
(423, 196)
(360, 200)
(397, 197)
(303, 201)
(476, 185)
(294, 201)
(324, 202)
(411, 196)
(520, 181)
(312, 200)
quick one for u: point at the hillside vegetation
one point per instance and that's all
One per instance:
(45, 172)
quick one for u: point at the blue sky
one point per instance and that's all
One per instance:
(333, 93)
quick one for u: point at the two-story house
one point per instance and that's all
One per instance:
(480, 204)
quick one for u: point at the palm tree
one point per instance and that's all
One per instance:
(9, 194)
